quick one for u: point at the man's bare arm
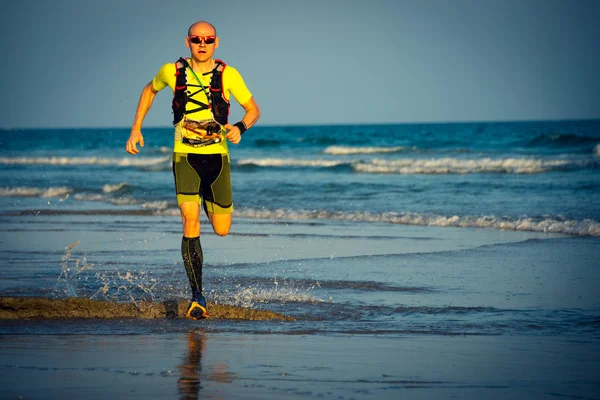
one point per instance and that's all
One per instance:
(252, 115)
(144, 105)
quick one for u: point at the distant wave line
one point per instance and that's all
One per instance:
(450, 165)
(547, 224)
(120, 162)
(290, 162)
(108, 188)
(432, 166)
(550, 224)
(108, 194)
(49, 192)
(348, 150)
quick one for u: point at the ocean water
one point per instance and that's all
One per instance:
(440, 229)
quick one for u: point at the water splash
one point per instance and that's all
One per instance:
(127, 285)
(77, 279)
(243, 295)
(71, 268)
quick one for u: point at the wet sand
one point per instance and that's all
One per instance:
(203, 364)
(76, 307)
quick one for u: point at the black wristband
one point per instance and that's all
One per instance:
(241, 126)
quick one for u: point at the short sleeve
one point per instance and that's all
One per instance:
(161, 80)
(233, 81)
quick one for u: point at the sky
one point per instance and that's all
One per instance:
(68, 63)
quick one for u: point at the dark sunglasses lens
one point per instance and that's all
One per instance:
(198, 40)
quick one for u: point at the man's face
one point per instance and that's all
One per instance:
(196, 42)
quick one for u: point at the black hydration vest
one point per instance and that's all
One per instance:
(219, 106)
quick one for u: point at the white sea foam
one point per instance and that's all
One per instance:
(107, 195)
(118, 201)
(108, 188)
(156, 205)
(347, 150)
(597, 149)
(171, 212)
(120, 162)
(586, 227)
(445, 165)
(123, 201)
(90, 197)
(35, 192)
(289, 162)
(449, 165)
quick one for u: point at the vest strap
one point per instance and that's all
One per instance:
(218, 105)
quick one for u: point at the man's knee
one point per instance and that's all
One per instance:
(191, 224)
(190, 215)
(221, 230)
(220, 223)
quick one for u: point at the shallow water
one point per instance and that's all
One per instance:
(333, 277)
(433, 228)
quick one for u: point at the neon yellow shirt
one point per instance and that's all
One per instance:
(233, 84)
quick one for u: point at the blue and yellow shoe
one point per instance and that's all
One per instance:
(197, 308)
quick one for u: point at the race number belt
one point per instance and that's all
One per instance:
(201, 133)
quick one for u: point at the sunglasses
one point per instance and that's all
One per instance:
(199, 39)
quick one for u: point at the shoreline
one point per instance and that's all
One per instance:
(40, 308)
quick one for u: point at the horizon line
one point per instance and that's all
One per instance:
(279, 125)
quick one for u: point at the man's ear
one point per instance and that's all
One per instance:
(217, 42)
(187, 42)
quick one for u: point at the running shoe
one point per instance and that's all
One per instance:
(197, 308)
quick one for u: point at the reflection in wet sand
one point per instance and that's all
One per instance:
(189, 383)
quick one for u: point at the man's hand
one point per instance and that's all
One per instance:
(233, 133)
(135, 138)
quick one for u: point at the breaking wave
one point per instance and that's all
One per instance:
(156, 205)
(118, 162)
(107, 194)
(108, 188)
(35, 192)
(553, 224)
(117, 201)
(466, 166)
(446, 165)
(347, 150)
(289, 162)
(548, 224)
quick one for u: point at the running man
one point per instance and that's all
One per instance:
(202, 87)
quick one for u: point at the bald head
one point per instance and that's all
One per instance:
(202, 26)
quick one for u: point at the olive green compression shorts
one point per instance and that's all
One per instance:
(206, 177)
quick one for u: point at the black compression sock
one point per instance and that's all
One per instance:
(191, 252)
